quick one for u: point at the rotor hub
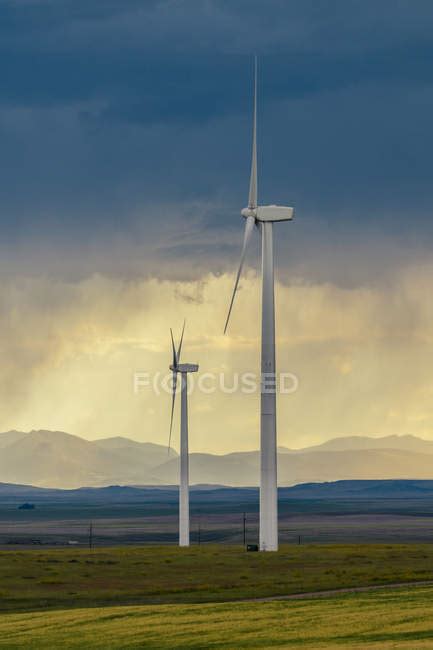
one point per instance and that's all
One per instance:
(249, 212)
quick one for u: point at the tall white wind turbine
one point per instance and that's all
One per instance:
(264, 217)
(183, 369)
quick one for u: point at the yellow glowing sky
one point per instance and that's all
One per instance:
(121, 190)
(363, 357)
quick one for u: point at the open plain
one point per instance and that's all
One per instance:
(218, 597)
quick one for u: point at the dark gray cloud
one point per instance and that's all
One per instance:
(126, 127)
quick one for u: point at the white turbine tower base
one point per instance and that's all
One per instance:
(183, 369)
(264, 216)
(268, 425)
(184, 465)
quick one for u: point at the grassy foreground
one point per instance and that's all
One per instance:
(398, 619)
(67, 578)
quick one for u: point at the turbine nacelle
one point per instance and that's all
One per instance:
(185, 367)
(270, 213)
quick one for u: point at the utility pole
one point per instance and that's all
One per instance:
(91, 535)
(245, 528)
(199, 529)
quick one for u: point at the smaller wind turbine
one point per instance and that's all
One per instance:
(183, 369)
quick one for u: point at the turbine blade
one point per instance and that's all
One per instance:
(173, 399)
(252, 198)
(249, 226)
(174, 349)
(180, 344)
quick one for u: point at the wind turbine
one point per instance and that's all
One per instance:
(183, 369)
(264, 217)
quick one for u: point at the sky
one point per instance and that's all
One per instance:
(125, 132)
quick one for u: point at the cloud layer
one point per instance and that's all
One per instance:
(125, 132)
(362, 356)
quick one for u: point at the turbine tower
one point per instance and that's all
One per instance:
(183, 369)
(264, 217)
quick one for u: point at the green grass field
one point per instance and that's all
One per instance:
(398, 619)
(166, 597)
(63, 578)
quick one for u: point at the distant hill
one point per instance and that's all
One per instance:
(308, 466)
(352, 443)
(148, 454)
(8, 437)
(58, 459)
(394, 490)
(386, 489)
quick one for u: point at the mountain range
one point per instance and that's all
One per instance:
(60, 460)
